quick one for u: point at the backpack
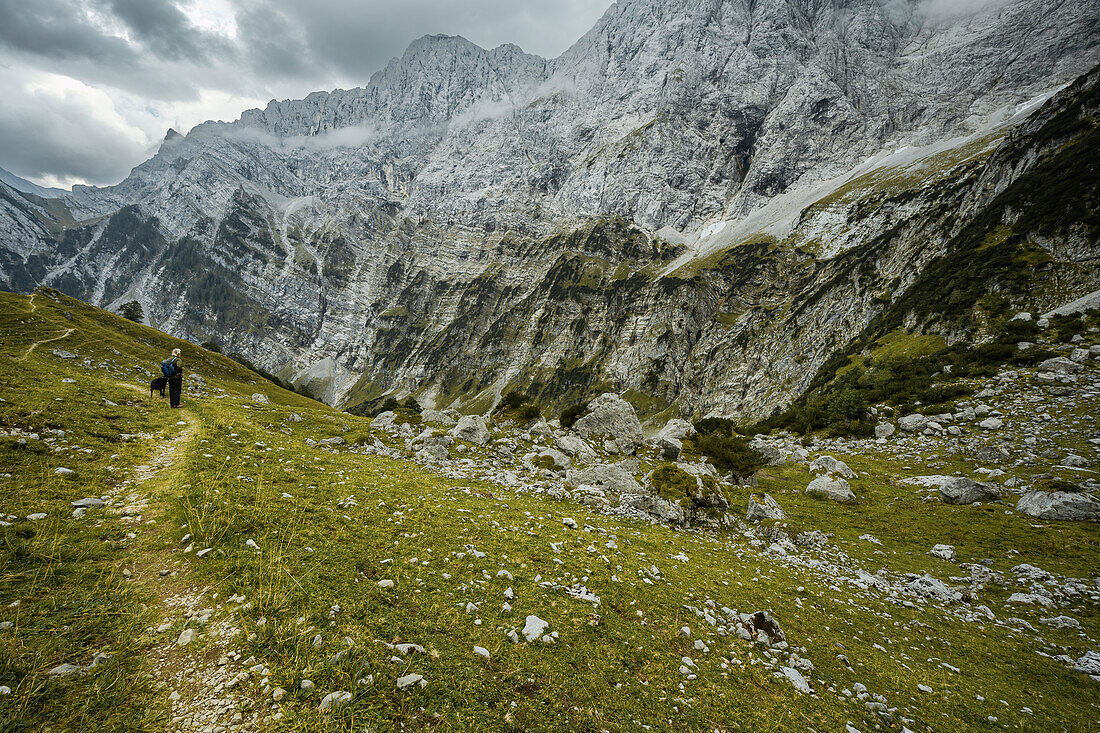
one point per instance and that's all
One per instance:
(169, 367)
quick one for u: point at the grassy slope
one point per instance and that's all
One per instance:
(612, 668)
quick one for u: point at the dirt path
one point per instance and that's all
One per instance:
(193, 658)
(68, 332)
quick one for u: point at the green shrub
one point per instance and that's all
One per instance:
(1066, 327)
(517, 406)
(512, 400)
(211, 346)
(673, 483)
(571, 414)
(729, 453)
(719, 425)
(544, 462)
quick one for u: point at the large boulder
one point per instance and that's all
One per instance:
(884, 430)
(961, 490)
(766, 508)
(677, 429)
(576, 447)
(552, 459)
(611, 416)
(772, 455)
(613, 477)
(828, 464)
(1060, 505)
(914, 423)
(1061, 365)
(669, 448)
(384, 421)
(471, 428)
(670, 512)
(824, 487)
(436, 417)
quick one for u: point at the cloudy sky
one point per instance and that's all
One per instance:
(89, 87)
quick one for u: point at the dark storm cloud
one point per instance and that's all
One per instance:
(274, 44)
(139, 66)
(58, 29)
(163, 29)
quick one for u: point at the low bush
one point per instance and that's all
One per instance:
(571, 414)
(517, 406)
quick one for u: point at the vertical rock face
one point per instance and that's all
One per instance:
(700, 200)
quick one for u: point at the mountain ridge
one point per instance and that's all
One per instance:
(683, 121)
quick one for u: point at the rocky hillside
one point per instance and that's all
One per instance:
(698, 203)
(258, 561)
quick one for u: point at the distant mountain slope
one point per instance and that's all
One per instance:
(22, 184)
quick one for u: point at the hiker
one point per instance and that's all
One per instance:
(173, 369)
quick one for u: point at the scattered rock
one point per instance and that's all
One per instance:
(64, 670)
(824, 487)
(409, 680)
(481, 651)
(185, 637)
(828, 464)
(610, 415)
(534, 627)
(914, 423)
(471, 428)
(767, 508)
(676, 429)
(1059, 505)
(797, 680)
(961, 490)
(261, 398)
(90, 502)
(1089, 664)
(944, 552)
(335, 700)
(576, 447)
(614, 477)
(1060, 365)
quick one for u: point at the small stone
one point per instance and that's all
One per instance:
(306, 685)
(278, 694)
(569, 522)
(90, 502)
(185, 637)
(409, 680)
(36, 517)
(204, 552)
(797, 680)
(63, 670)
(387, 583)
(481, 651)
(335, 700)
(62, 471)
(5, 690)
(533, 628)
(945, 552)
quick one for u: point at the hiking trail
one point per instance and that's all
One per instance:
(193, 659)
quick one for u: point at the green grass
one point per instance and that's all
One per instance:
(353, 519)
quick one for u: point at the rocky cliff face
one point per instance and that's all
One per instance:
(699, 201)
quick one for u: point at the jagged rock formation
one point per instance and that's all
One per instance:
(698, 202)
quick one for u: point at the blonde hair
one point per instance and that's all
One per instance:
(175, 352)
